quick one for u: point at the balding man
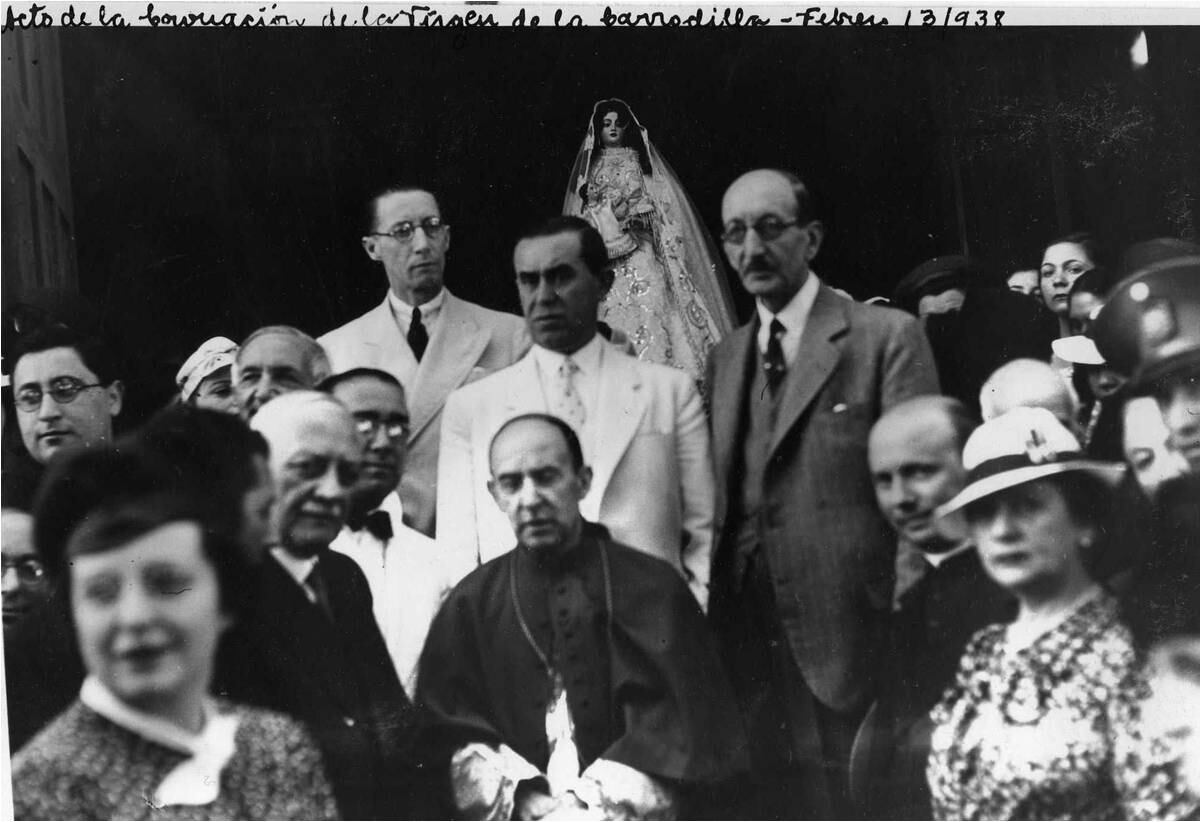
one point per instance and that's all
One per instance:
(1033, 384)
(914, 452)
(803, 573)
(311, 647)
(423, 335)
(274, 360)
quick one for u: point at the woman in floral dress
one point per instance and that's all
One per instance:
(1044, 719)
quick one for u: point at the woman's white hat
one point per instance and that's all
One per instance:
(1022, 445)
(213, 354)
(1079, 349)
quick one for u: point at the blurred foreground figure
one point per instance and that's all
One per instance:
(1029, 384)
(573, 675)
(151, 588)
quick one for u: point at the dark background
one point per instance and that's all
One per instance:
(218, 177)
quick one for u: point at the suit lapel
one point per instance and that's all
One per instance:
(298, 631)
(732, 373)
(817, 357)
(453, 351)
(621, 404)
(382, 335)
(522, 390)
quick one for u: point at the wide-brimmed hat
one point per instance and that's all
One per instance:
(213, 354)
(1020, 446)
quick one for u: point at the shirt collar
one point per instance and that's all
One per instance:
(938, 559)
(587, 358)
(405, 311)
(197, 779)
(796, 312)
(298, 569)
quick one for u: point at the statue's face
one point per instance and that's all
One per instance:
(613, 131)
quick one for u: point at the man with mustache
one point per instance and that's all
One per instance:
(311, 648)
(803, 571)
(429, 339)
(642, 425)
(914, 452)
(406, 572)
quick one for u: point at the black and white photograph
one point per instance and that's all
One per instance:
(488, 411)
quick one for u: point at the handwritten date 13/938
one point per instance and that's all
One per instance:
(951, 16)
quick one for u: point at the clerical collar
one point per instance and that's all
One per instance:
(792, 316)
(587, 358)
(298, 569)
(938, 559)
(405, 311)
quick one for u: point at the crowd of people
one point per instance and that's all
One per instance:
(619, 557)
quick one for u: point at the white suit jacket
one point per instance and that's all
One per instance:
(652, 485)
(468, 342)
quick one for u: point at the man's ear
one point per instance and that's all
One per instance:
(495, 496)
(116, 396)
(817, 232)
(584, 476)
(370, 246)
(446, 239)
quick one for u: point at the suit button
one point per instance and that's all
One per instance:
(349, 720)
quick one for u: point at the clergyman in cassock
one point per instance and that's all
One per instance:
(573, 676)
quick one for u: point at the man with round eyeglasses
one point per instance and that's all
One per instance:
(429, 340)
(803, 569)
(407, 574)
(65, 392)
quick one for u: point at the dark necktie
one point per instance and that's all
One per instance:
(316, 582)
(377, 523)
(418, 337)
(773, 360)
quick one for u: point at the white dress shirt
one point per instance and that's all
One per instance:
(792, 316)
(587, 383)
(402, 312)
(408, 577)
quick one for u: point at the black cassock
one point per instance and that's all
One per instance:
(644, 682)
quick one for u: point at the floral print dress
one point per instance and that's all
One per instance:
(1053, 730)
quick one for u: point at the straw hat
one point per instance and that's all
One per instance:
(1020, 446)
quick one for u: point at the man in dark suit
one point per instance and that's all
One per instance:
(429, 339)
(802, 576)
(311, 647)
(915, 453)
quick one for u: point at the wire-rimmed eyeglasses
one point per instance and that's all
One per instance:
(63, 391)
(403, 232)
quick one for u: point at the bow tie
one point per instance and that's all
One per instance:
(377, 523)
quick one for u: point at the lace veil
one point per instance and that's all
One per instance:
(681, 231)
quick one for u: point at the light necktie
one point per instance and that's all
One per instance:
(773, 359)
(568, 404)
(418, 337)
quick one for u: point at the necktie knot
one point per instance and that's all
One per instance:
(418, 336)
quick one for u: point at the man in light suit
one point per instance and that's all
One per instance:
(803, 569)
(642, 425)
(423, 335)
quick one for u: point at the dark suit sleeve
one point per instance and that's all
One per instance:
(908, 367)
